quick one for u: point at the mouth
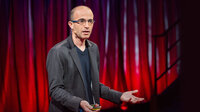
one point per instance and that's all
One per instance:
(86, 32)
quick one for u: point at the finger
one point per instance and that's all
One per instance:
(139, 99)
(87, 110)
(133, 100)
(89, 106)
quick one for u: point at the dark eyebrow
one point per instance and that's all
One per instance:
(85, 19)
(81, 18)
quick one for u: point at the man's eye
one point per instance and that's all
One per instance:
(90, 20)
(82, 20)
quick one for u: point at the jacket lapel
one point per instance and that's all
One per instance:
(75, 58)
(94, 74)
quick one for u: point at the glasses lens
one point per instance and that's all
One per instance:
(81, 21)
(90, 21)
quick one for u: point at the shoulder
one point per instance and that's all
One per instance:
(63, 45)
(92, 44)
(59, 48)
(94, 47)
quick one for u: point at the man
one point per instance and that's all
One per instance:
(73, 69)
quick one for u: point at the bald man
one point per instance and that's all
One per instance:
(73, 70)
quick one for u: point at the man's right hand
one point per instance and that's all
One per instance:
(86, 106)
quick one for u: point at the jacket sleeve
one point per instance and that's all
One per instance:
(109, 94)
(56, 86)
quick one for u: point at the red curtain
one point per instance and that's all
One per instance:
(123, 31)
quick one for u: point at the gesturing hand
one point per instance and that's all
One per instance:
(129, 97)
(87, 107)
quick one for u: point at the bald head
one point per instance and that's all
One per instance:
(77, 8)
(81, 22)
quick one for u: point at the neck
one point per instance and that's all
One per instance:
(79, 42)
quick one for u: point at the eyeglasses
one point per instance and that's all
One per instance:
(83, 21)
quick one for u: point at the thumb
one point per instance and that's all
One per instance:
(134, 91)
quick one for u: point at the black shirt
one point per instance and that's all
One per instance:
(85, 64)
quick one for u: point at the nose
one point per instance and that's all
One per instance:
(86, 24)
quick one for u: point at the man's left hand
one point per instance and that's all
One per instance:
(129, 97)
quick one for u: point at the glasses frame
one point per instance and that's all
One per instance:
(78, 21)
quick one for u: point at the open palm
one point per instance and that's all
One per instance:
(129, 97)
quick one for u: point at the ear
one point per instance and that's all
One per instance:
(71, 25)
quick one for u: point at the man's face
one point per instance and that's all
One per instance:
(82, 30)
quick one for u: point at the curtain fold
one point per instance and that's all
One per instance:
(123, 31)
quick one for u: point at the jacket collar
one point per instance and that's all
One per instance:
(71, 44)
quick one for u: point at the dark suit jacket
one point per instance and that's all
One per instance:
(65, 76)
